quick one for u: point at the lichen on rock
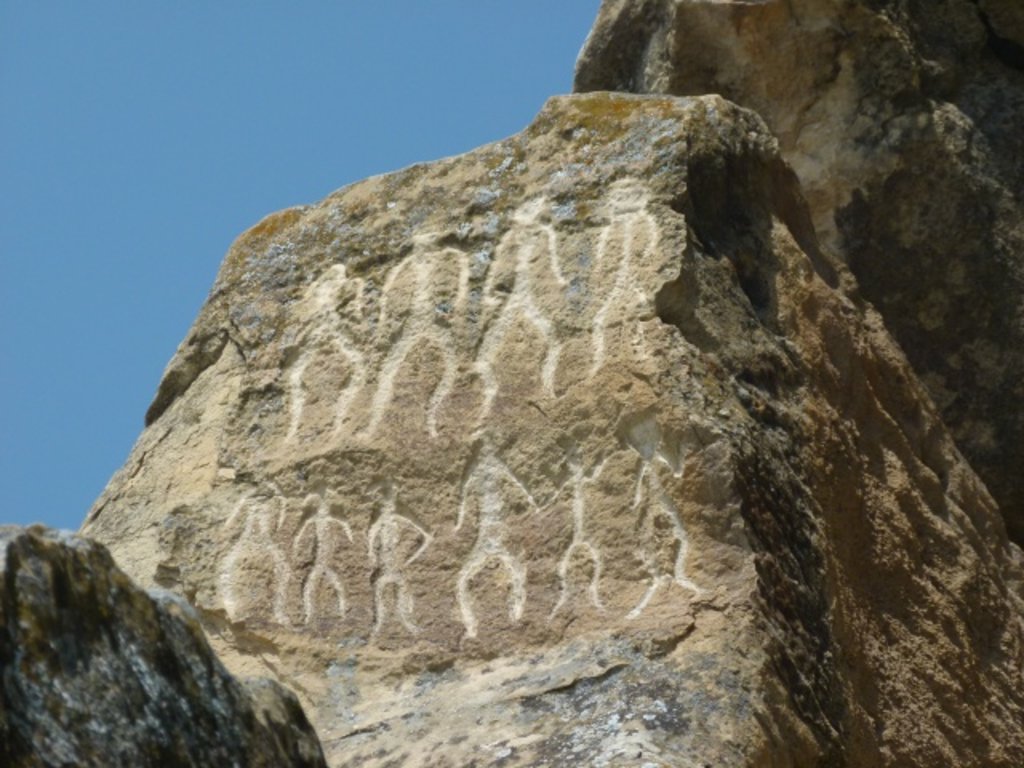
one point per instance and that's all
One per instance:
(575, 449)
(95, 672)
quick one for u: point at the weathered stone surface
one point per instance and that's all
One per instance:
(1004, 21)
(570, 451)
(903, 122)
(95, 672)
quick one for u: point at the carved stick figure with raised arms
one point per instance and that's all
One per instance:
(388, 559)
(530, 248)
(664, 542)
(323, 535)
(581, 544)
(484, 481)
(418, 314)
(324, 337)
(256, 569)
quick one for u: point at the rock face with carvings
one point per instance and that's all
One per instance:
(902, 120)
(572, 450)
(95, 672)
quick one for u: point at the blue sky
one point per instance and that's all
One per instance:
(139, 138)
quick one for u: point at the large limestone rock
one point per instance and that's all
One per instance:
(95, 672)
(569, 451)
(903, 122)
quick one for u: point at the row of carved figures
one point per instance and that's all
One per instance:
(422, 297)
(258, 517)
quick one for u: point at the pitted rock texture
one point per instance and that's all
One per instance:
(95, 672)
(570, 451)
(903, 122)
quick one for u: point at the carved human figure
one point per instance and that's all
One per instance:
(325, 335)
(487, 473)
(629, 239)
(418, 304)
(664, 542)
(388, 550)
(524, 255)
(581, 544)
(256, 573)
(321, 538)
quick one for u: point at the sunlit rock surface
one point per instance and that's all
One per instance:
(572, 451)
(95, 672)
(903, 122)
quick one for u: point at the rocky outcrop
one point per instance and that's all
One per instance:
(902, 121)
(95, 672)
(572, 450)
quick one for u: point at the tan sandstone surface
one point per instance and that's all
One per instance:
(902, 120)
(572, 451)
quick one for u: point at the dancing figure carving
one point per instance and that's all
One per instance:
(256, 572)
(322, 538)
(528, 249)
(484, 481)
(325, 335)
(630, 237)
(388, 561)
(664, 541)
(581, 544)
(418, 314)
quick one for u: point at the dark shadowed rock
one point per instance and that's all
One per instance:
(903, 122)
(95, 672)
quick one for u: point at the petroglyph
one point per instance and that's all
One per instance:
(256, 571)
(524, 247)
(424, 316)
(325, 336)
(421, 299)
(664, 542)
(630, 237)
(581, 545)
(484, 480)
(388, 561)
(323, 534)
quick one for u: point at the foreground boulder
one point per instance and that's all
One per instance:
(95, 672)
(570, 450)
(903, 122)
